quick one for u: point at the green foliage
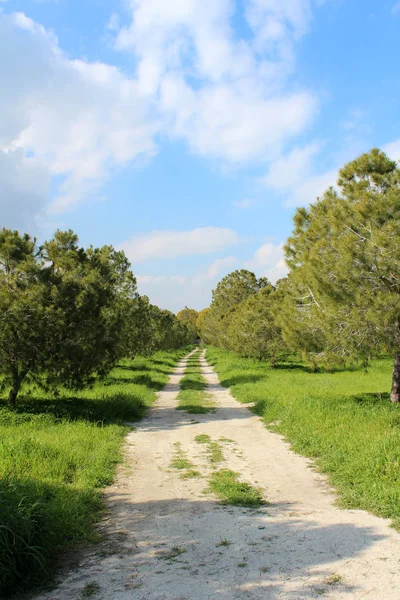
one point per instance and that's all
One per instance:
(188, 316)
(217, 324)
(253, 331)
(56, 454)
(341, 419)
(61, 310)
(345, 260)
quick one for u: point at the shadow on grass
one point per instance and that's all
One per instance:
(240, 379)
(117, 409)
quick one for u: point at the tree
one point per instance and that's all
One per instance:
(253, 331)
(230, 292)
(62, 310)
(188, 317)
(345, 260)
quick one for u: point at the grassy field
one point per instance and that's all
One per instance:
(56, 455)
(192, 397)
(344, 420)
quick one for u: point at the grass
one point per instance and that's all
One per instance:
(56, 455)
(226, 485)
(181, 462)
(192, 397)
(214, 450)
(344, 420)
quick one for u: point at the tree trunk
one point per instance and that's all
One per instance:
(12, 396)
(395, 393)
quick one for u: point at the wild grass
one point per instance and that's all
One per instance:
(192, 397)
(214, 450)
(226, 485)
(181, 462)
(56, 455)
(344, 420)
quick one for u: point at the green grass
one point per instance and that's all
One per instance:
(214, 450)
(181, 462)
(56, 455)
(344, 420)
(192, 397)
(226, 485)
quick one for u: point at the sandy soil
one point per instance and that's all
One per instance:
(165, 533)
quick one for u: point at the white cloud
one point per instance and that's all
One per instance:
(216, 270)
(25, 186)
(82, 119)
(170, 244)
(396, 8)
(393, 150)
(242, 204)
(229, 98)
(268, 261)
(294, 176)
(225, 96)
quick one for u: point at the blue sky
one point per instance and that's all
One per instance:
(187, 132)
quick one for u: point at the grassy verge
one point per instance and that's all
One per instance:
(192, 397)
(56, 455)
(343, 420)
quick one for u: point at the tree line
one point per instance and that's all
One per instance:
(69, 314)
(340, 302)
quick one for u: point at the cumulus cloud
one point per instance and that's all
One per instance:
(225, 96)
(229, 98)
(268, 261)
(170, 244)
(25, 185)
(392, 149)
(81, 119)
(295, 177)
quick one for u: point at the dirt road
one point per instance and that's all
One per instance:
(172, 541)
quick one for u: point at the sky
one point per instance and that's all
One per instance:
(186, 132)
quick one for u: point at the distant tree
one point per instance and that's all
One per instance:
(200, 323)
(253, 331)
(62, 310)
(188, 317)
(345, 260)
(230, 292)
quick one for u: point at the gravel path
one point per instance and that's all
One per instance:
(168, 540)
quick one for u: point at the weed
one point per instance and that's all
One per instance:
(226, 485)
(334, 579)
(181, 462)
(202, 438)
(224, 543)
(242, 565)
(173, 553)
(91, 589)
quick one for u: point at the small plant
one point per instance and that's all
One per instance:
(224, 543)
(174, 553)
(334, 579)
(242, 565)
(202, 438)
(91, 589)
(226, 485)
(181, 462)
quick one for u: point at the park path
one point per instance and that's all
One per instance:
(168, 540)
